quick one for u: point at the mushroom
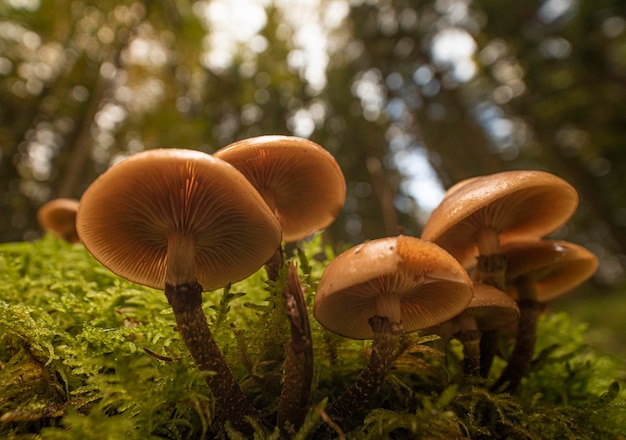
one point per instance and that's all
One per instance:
(381, 289)
(58, 216)
(489, 309)
(477, 215)
(182, 221)
(539, 271)
(543, 270)
(300, 181)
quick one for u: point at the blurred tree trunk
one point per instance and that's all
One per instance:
(462, 145)
(76, 157)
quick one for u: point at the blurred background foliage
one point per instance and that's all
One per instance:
(411, 96)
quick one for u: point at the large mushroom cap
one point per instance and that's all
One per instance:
(301, 181)
(429, 284)
(514, 204)
(58, 216)
(127, 214)
(554, 267)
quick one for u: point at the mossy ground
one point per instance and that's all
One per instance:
(85, 354)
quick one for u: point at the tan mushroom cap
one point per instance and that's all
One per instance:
(555, 267)
(300, 181)
(58, 216)
(129, 214)
(491, 308)
(405, 276)
(513, 204)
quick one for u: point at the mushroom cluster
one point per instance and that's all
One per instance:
(496, 226)
(185, 222)
(182, 221)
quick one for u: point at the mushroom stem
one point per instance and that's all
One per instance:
(388, 305)
(488, 350)
(522, 355)
(469, 335)
(298, 370)
(445, 331)
(488, 241)
(491, 265)
(385, 346)
(181, 259)
(491, 270)
(275, 264)
(232, 404)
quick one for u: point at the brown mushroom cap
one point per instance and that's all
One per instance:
(512, 204)
(396, 275)
(58, 216)
(131, 212)
(300, 181)
(491, 308)
(553, 266)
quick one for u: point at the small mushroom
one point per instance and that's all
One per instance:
(58, 216)
(543, 270)
(381, 289)
(300, 181)
(539, 271)
(477, 215)
(182, 221)
(489, 309)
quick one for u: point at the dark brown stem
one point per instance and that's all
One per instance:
(521, 357)
(298, 371)
(387, 336)
(275, 264)
(471, 352)
(232, 404)
(488, 350)
(490, 270)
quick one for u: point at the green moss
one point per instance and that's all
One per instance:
(85, 354)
